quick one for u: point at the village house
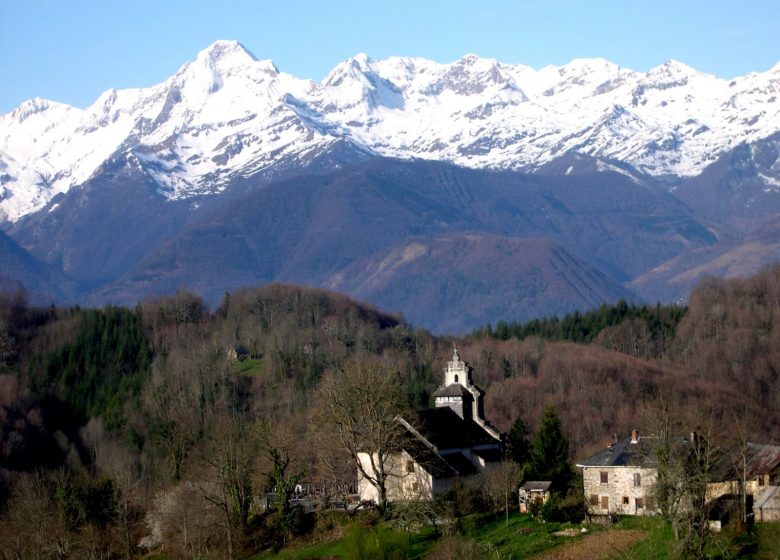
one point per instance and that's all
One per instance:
(450, 440)
(620, 478)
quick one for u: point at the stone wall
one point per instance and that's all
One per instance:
(619, 494)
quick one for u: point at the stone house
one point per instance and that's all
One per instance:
(452, 439)
(620, 479)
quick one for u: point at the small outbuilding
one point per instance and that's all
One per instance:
(237, 353)
(533, 492)
(767, 507)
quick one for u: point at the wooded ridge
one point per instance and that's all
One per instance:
(111, 415)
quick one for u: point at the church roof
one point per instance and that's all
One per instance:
(446, 430)
(452, 390)
(460, 463)
(490, 455)
(427, 459)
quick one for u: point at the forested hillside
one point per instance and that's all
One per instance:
(129, 430)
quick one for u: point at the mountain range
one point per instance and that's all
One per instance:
(457, 194)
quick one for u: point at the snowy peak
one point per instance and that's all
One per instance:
(471, 75)
(354, 69)
(227, 52)
(231, 57)
(228, 114)
(223, 60)
(671, 69)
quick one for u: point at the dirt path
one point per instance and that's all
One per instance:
(597, 546)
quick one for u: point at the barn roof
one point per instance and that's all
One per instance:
(759, 459)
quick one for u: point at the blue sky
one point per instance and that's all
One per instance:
(72, 50)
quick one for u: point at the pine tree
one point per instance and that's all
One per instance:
(518, 446)
(550, 455)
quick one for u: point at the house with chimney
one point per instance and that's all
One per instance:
(620, 478)
(451, 440)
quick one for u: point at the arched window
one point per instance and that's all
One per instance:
(456, 378)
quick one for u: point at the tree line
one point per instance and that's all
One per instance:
(130, 430)
(660, 321)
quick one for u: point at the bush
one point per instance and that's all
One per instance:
(570, 509)
(456, 547)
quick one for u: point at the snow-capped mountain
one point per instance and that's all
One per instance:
(227, 114)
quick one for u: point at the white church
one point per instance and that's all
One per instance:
(451, 440)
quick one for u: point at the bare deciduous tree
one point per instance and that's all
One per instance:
(684, 467)
(360, 403)
(501, 483)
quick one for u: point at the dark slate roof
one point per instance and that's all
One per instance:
(460, 463)
(453, 390)
(536, 485)
(427, 459)
(491, 455)
(446, 430)
(625, 454)
(760, 459)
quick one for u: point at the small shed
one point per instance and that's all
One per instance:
(767, 507)
(237, 353)
(533, 492)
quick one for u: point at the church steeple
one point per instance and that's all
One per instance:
(460, 394)
(457, 392)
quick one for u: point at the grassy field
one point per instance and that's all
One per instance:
(488, 538)
(485, 536)
(248, 367)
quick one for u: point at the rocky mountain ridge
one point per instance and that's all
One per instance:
(227, 115)
(457, 194)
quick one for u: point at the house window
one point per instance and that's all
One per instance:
(456, 378)
(761, 481)
(605, 502)
(637, 479)
(625, 500)
(639, 504)
(604, 477)
(410, 466)
(594, 500)
(415, 487)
